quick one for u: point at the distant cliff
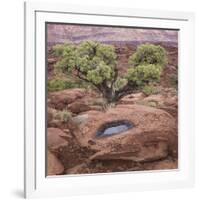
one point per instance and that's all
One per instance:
(60, 33)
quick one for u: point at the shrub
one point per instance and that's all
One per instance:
(63, 116)
(149, 103)
(149, 54)
(108, 106)
(56, 85)
(150, 89)
(104, 105)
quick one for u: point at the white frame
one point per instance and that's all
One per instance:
(36, 184)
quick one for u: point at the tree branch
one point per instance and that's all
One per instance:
(86, 80)
(115, 77)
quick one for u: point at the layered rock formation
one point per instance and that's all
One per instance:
(60, 33)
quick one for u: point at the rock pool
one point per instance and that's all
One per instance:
(114, 127)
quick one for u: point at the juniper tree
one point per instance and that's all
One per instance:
(96, 63)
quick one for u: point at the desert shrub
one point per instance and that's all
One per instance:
(103, 104)
(56, 85)
(174, 81)
(149, 103)
(149, 54)
(152, 104)
(63, 116)
(107, 106)
(150, 89)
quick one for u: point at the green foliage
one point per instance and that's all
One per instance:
(93, 60)
(58, 49)
(149, 54)
(63, 116)
(120, 83)
(67, 54)
(96, 61)
(149, 103)
(100, 73)
(144, 74)
(58, 84)
(147, 63)
(150, 89)
(95, 64)
(174, 81)
(96, 52)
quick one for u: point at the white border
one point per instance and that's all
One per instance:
(36, 185)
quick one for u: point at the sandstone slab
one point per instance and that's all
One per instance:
(60, 99)
(55, 138)
(153, 137)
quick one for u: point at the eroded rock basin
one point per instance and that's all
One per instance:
(150, 133)
(143, 138)
(115, 127)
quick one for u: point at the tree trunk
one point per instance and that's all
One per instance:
(113, 96)
(108, 94)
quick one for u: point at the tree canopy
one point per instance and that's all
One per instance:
(96, 63)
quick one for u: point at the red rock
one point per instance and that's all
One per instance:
(60, 99)
(154, 135)
(55, 138)
(55, 167)
(78, 107)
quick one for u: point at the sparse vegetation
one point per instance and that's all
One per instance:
(63, 116)
(57, 84)
(151, 103)
(107, 106)
(150, 89)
